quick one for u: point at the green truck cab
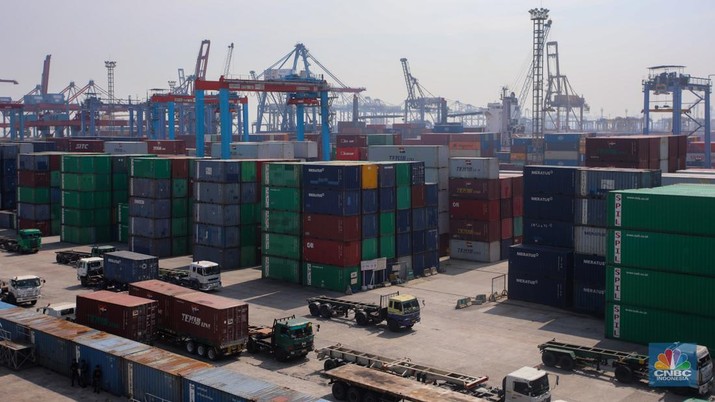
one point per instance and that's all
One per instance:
(290, 337)
(27, 241)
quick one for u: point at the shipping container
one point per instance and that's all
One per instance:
(342, 228)
(284, 269)
(549, 207)
(217, 214)
(548, 262)
(332, 176)
(474, 250)
(284, 174)
(160, 248)
(590, 212)
(285, 222)
(162, 293)
(218, 171)
(331, 202)
(548, 233)
(126, 147)
(150, 208)
(217, 236)
(331, 277)
(484, 231)
(550, 180)
(597, 182)
(483, 210)
(331, 252)
(217, 193)
(536, 288)
(474, 168)
(590, 240)
(281, 245)
(589, 298)
(124, 267)
(128, 316)
(484, 189)
(208, 319)
(621, 149)
(434, 156)
(590, 269)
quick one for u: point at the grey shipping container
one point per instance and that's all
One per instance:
(669, 179)
(597, 182)
(150, 208)
(125, 147)
(218, 171)
(591, 212)
(227, 258)
(439, 176)
(305, 149)
(590, 240)
(35, 212)
(257, 150)
(216, 214)
(145, 245)
(434, 156)
(217, 193)
(151, 228)
(127, 267)
(474, 250)
(474, 168)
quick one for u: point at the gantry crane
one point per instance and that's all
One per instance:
(417, 105)
(561, 102)
(186, 84)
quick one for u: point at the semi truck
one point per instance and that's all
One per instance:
(70, 257)
(25, 289)
(201, 275)
(26, 241)
(627, 367)
(360, 376)
(400, 311)
(289, 337)
(202, 323)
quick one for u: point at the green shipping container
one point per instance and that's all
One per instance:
(281, 198)
(249, 172)
(404, 197)
(380, 139)
(645, 325)
(683, 208)
(55, 179)
(179, 227)
(86, 163)
(249, 256)
(283, 269)
(33, 195)
(86, 200)
(660, 251)
(179, 188)
(179, 246)
(280, 245)
(151, 168)
(250, 235)
(285, 222)
(120, 182)
(387, 246)
(85, 235)
(330, 277)
(86, 217)
(369, 249)
(681, 293)
(123, 233)
(56, 227)
(56, 212)
(120, 197)
(180, 207)
(387, 223)
(403, 174)
(518, 223)
(282, 174)
(250, 213)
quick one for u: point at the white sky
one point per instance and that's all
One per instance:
(462, 50)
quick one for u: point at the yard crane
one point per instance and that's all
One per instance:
(417, 104)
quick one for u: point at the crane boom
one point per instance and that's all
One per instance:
(203, 60)
(9, 81)
(229, 55)
(409, 80)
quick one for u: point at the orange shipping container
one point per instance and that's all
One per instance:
(369, 176)
(467, 145)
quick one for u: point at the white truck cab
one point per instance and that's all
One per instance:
(23, 289)
(527, 384)
(89, 268)
(207, 274)
(64, 311)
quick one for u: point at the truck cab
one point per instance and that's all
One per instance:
(89, 269)
(207, 275)
(705, 370)
(23, 289)
(29, 240)
(526, 385)
(99, 251)
(63, 311)
(292, 337)
(402, 311)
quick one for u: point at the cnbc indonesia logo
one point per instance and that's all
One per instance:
(672, 365)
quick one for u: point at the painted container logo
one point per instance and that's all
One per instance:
(673, 365)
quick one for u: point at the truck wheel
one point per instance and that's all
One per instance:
(354, 394)
(83, 281)
(326, 310)
(624, 374)
(361, 318)
(252, 347)
(393, 325)
(548, 358)
(340, 390)
(314, 308)
(11, 298)
(330, 364)
(212, 354)
(567, 363)
(370, 397)
(201, 350)
(190, 347)
(281, 355)
(32, 303)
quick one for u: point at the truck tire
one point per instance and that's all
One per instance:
(11, 298)
(314, 308)
(624, 374)
(330, 364)
(212, 354)
(567, 363)
(340, 390)
(354, 394)
(393, 325)
(326, 310)
(361, 318)
(370, 397)
(548, 358)
(32, 303)
(252, 347)
(83, 281)
(190, 347)
(281, 355)
(201, 350)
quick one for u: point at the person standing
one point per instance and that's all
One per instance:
(84, 373)
(74, 372)
(96, 378)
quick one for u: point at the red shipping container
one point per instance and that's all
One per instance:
(418, 196)
(179, 167)
(506, 208)
(45, 227)
(351, 140)
(472, 230)
(338, 253)
(77, 145)
(397, 139)
(481, 210)
(507, 228)
(343, 228)
(120, 314)
(517, 206)
(517, 186)
(28, 178)
(682, 151)
(505, 186)
(162, 293)
(166, 147)
(348, 154)
(62, 144)
(480, 189)
(620, 149)
(216, 321)
(435, 139)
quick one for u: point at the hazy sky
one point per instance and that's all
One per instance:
(462, 50)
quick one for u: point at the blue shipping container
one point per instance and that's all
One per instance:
(403, 244)
(535, 288)
(589, 298)
(249, 192)
(589, 269)
(418, 264)
(151, 228)
(431, 194)
(370, 204)
(431, 217)
(419, 219)
(432, 239)
(37, 163)
(548, 233)
(217, 193)
(218, 171)
(339, 177)
(547, 262)
(550, 180)
(217, 236)
(591, 212)
(562, 162)
(128, 267)
(157, 247)
(549, 206)
(386, 175)
(227, 258)
(597, 182)
(35, 212)
(403, 221)
(150, 208)
(216, 214)
(331, 202)
(417, 173)
(388, 199)
(419, 241)
(369, 226)
(155, 374)
(150, 188)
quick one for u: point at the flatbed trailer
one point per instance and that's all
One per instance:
(400, 311)
(70, 257)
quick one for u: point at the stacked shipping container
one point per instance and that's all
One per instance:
(38, 192)
(150, 206)
(564, 149)
(119, 314)
(86, 198)
(667, 153)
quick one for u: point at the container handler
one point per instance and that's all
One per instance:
(27, 241)
(289, 337)
(400, 311)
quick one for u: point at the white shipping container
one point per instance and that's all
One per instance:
(561, 155)
(439, 176)
(125, 147)
(590, 240)
(434, 156)
(669, 179)
(465, 153)
(663, 149)
(474, 168)
(474, 250)
(305, 149)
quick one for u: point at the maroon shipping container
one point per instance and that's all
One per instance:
(62, 144)
(481, 189)
(505, 208)
(418, 196)
(28, 178)
(411, 141)
(162, 293)
(344, 228)
(216, 321)
(435, 139)
(338, 253)
(77, 145)
(517, 185)
(633, 149)
(120, 314)
(45, 227)
(517, 206)
(505, 186)
(475, 230)
(179, 166)
(167, 147)
(351, 140)
(507, 228)
(351, 153)
(643, 164)
(682, 151)
(444, 244)
(481, 210)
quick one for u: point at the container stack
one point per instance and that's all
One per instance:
(354, 147)
(335, 197)
(281, 244)
(424, 224)
(35, 206)
(564, 149)
(511, 211)
(150, 206)
(475, 213)
(123, 223)
(86, 199)
(217, 212)
(649, 258)
(257, 150)
(667, 153)
(8, 179)
(526, 151)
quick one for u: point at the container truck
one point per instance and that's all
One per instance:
(204, 324)
(70, 257)
(289, 337)
(25, 289)
(627, 366)
(360, 376)
(400, 311)
(27, 241)
(201, 275)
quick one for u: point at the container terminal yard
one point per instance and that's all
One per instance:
(284, 237)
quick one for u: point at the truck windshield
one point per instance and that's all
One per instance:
(704, 360)
(94, 265)
(539, 386)
(29, 235)
(301, 332)
(410, 306)
(26, 283)
(206, 271)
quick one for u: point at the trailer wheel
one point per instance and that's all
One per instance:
(370, 397)
(314, 308)
(393, 325)
(32, 303)
(330, 364)
(252, 347)
(212, 354)
(201, 350)
(281, 355)
(567, 363)
(354, 394)
(340, 390)
(361, 318)
(326, 310)
(190, 347)
(624, 374)
(548, 358)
